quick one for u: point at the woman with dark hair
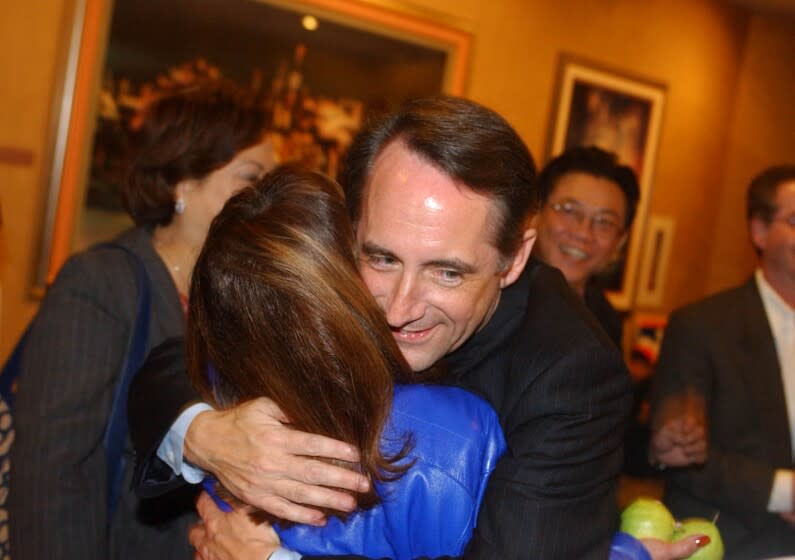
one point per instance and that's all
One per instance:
(199, 146)
(277, 309)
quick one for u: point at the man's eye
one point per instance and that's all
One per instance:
(380, 261)
(449, 276)
(570, 210)
(606, 225)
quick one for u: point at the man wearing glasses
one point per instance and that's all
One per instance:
(588, 204)
(735, 352)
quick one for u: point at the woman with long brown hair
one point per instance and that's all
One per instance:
(277, 309)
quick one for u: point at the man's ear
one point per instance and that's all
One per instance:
(622, 242)
(618, 251)
(757, 228)
(516, 264)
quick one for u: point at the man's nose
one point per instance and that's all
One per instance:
(583, 227)
(405, 303)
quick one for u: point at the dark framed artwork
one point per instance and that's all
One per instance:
(654, 261)
(320, 67)
(620, 113)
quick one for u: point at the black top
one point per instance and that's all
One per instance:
(610, 319)
(562, 393)
(638, 432)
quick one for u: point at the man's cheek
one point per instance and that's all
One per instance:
(375, 283)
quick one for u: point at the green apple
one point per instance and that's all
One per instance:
(701, 526)
(648, 518)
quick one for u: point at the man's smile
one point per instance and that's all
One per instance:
(412, 336)
(573, 252)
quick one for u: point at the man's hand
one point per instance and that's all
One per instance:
(683, 548)
(230, 536)
(678, 443)
(788, 517)
(270, 466)
(679, 432)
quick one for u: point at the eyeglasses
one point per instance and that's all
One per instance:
(603, 226)
(786, 220)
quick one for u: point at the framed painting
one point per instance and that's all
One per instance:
(320, 67)
(597, 106)
(654, 261)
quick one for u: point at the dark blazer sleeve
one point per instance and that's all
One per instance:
(159, 393)
(734, 481)
(77, 341)
(553, 495)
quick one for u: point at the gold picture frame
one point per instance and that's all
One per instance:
(74, 113)
(615, 111)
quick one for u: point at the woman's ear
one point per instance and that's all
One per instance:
(184, 187)
(182, 192)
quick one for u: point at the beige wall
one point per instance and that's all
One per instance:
(694, 47)
(762, 134)
(30, 32)
(704, 50)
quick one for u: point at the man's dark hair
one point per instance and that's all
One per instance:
(761, 199)
(468, 142)
(597, 163)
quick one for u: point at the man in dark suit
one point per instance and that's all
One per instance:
(440, 193)
(732, 356)
(588, 203)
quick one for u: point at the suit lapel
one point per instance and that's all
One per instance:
(763, 374)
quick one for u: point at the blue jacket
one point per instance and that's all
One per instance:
(457, 441)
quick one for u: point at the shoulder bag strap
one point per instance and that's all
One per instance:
(11, 369)
(116, 430)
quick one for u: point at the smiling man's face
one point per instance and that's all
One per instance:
(427, 252)
(581, 227)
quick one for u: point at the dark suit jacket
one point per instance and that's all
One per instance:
(636, 440)
(610, 319)
(561, 392)
(76, 346)
(724, 349)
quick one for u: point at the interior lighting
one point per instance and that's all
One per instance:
(309, 22)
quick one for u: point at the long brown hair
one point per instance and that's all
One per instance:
(278, 308)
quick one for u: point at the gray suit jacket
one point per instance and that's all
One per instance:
(73, 357)
(724, 348)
